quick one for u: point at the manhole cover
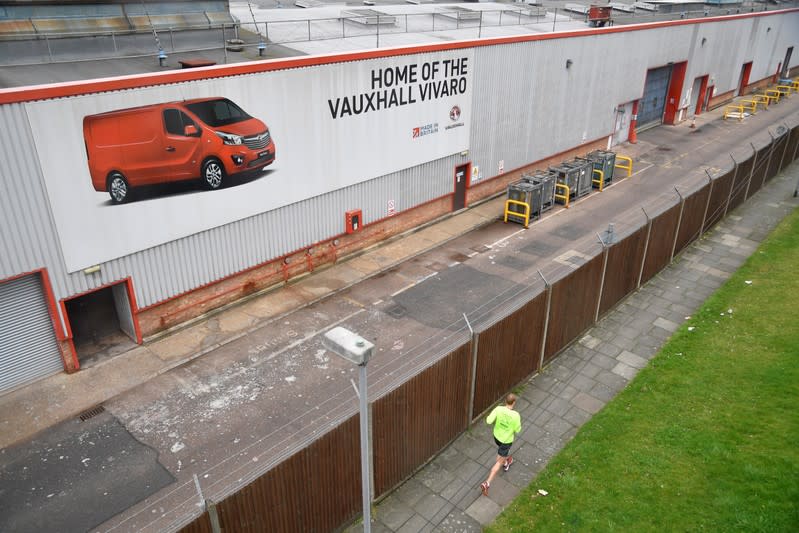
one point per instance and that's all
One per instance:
(396, 311)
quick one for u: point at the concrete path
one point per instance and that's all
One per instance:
(444, 496)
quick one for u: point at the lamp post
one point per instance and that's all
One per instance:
(358, 350)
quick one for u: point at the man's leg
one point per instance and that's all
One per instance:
(494, 469)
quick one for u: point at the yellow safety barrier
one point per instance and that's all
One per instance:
(564, 197)
(795, 85)
(761, 99)
(750, 104)
(525, 216)
(784, 90)
(600, 181)
(734, 111)
(773, 94)
(628, 167)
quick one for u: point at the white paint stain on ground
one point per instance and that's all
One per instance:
(177, 447)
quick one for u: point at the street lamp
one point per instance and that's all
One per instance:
(358, 350)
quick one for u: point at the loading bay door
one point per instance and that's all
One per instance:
(652, 104)
(28, 347)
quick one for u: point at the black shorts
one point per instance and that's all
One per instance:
(502, 448)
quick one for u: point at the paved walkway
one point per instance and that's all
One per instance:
(444, 496)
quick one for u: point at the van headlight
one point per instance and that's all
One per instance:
(228, 138)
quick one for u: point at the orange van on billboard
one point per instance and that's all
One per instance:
(209, 138)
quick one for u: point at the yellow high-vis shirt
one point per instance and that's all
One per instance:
(507, 423)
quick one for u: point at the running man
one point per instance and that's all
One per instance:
(507, 423)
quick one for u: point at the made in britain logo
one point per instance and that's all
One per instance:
(454, 116)
(427, 129)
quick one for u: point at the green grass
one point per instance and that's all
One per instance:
(706, 438)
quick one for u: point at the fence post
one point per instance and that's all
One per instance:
(729, 196)
(377, 45)
(224, 42)
(213, 516)
(554, 18)
(605, 253)
(646, 246)
(114, 40)
(480, 26)
(785, 149)
(473, 387)
(707, 204)
(309, 30)
(171, 39)
(752, 173)
(770, 154)
(49, 51)
(679, 223)
(548, 288)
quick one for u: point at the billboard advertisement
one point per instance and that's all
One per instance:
(129, 170)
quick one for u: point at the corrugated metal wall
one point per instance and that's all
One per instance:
(527, 105)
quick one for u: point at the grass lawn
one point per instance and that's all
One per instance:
(706, 438)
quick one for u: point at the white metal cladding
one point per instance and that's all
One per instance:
(28, 347)
(527, 106)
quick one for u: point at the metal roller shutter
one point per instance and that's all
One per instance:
(28, 347)
(650, 109)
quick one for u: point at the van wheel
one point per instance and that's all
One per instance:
(213, 173)
(118, 188)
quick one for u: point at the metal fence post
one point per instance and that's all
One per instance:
(646, 247)
(605, 253)
(171, 39)
(49, 51)
(480, 26)
(707, 204)
(114, 40)
(309, 29)
(555, 18)
(548, 288)
(224, 42)
(752, 173)
(213, 516)
(729, 196)
(378, 32)
(473, 386)
(679, 222)
(785, 149)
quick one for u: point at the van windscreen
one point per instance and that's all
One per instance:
(217, 113)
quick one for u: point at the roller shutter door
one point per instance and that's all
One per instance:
(28, 347)
(652, 104)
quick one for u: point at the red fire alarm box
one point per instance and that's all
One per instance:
(352, 220)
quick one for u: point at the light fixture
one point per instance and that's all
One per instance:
(569, 63)
(704, 40)
(91, 269)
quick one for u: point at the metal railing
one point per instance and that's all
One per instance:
(256, 36)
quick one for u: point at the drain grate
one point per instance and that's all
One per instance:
(397, 311)
(92, 413)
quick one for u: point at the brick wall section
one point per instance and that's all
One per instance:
(68, 355)
(282, 270)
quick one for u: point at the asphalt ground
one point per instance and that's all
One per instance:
(235, 393)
